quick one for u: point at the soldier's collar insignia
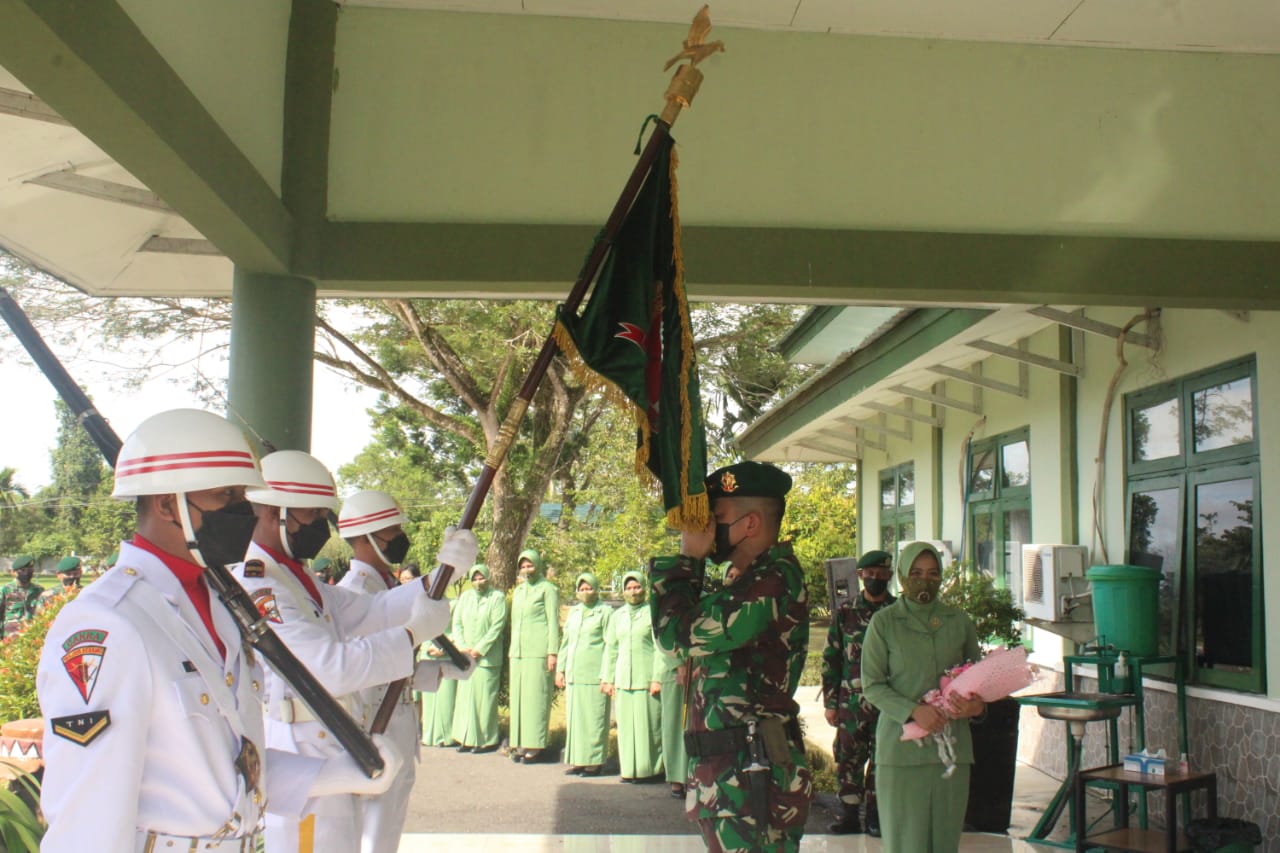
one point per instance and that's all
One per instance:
(85, 650)
(728, 482)
(81, 728)
(254, 569)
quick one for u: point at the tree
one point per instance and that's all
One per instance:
(11, 491)
(78, 468)
(821, 517)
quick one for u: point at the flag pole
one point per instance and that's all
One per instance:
(679, 95)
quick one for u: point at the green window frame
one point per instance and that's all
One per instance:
(897, 505)
(999, 503)
(1193, 511)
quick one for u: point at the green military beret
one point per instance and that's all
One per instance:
(68, 564)
(748, 480)
(321, 564)
(22, 561)
(875, 558)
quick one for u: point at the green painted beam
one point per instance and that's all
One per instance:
(308, 103)
(90, 62)
(273, 320)
(910, 339)
(814, 265)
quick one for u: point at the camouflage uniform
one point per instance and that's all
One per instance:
(747, 645)
(842, 690)
(18, 604)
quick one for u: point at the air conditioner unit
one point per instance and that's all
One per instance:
(942, 545)
(1050, 572)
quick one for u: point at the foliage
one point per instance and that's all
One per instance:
(992, 609)
(20, 825)
(823, 767)
(822, 521)
(10, 490)
(19, 658)
(78, 468)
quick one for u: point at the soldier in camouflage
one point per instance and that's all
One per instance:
(846, 709)
(750, 785)
(19, 601)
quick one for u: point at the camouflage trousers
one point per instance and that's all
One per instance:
(719, 798)
(854, 751)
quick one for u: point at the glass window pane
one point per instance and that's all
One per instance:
(888, 538)
(983, 471)
(1155, 534)
(888, 500)
(907, 486)
(908, 531)
(1156, 431)
(1015, 465)
(1223, 415)
(984, 543)
(1224, 575)
(1017, 532)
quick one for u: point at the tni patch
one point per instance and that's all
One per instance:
(265, 600)
(254, 569)
(81, 728)
(83, 659)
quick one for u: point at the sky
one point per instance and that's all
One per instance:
(29, 425)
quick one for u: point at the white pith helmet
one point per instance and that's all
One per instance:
(184, 450)
(368, 512)
(295, 479)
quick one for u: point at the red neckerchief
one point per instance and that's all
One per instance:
(298, 572)
(389, 579)
(190, 576)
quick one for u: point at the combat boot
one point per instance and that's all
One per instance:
(873, 820)
(849, 823)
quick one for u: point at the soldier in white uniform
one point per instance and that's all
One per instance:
(347, 641)
(152, 703)
(371, 522)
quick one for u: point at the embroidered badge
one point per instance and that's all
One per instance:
(254, 569)
(81, 728)
(265, 600)
(83, 659)
(728, 482)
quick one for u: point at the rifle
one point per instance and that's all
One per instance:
(255, 630)
(680, 92)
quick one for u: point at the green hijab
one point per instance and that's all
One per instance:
(539, 565)
(593, 597)
(640, 579)
(909, 556)
(482, 570)
(590, 581)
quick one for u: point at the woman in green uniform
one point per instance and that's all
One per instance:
(586, 743)
(535, 639)
(479, 618)
(631, 675)
(908, 646)
(437, 707)
(675, 675)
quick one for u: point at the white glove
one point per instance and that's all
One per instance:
(429, 618)
(449, 669)
(459, 549)
(341, 774)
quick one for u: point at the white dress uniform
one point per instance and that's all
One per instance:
(384, 815)
(349, 641)
(152, 740)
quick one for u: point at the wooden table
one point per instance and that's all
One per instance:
(1141, 840)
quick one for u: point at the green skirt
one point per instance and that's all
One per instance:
(639, 733)
(437, 714)
(475, 713)
(920, 812)
(673, 755)
(586, 740)
(530, 702)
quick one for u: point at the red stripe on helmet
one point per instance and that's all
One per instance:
(302, 488)
(180, 466)
(373, 516)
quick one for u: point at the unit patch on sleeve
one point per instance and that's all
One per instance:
(265, 600)
(85, 650)
(254, 569)
(81, 728)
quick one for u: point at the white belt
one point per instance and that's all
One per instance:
(155, 842)
(296, 711)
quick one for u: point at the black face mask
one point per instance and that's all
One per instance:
(875, 587)
(24, 576)
(72, 581)
(225, 534)
(396, 550)
(309, 539)
(724, 547)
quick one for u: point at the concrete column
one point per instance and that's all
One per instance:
(273, 321)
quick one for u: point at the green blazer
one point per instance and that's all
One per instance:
(535, 619)
(901, 661)
(478, 623)
(582, 643)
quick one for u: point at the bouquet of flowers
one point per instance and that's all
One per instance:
(999, 674)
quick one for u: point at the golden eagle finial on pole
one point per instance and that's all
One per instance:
(684, 85)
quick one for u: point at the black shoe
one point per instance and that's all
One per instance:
(677, 791)
(573, 771)
(873, 821)
(531, 756)
(464, 749)
(848, 824)
(593, 770)
(516, 757)
(626, 780)
(480, 750)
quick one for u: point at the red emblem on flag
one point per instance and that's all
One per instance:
(83, 659)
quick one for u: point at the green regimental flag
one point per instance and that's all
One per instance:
(635, 337)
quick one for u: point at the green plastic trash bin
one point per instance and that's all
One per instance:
(1126, 607)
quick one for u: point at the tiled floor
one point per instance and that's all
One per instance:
(669, 844)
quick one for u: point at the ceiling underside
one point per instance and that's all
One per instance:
(473, 148)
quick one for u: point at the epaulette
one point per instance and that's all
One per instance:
(113, 586)
(255, 569)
